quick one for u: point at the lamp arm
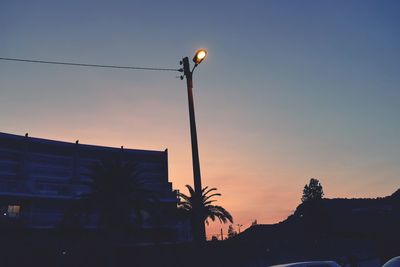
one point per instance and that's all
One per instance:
(195, 65)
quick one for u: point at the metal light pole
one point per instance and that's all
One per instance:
(199, 231)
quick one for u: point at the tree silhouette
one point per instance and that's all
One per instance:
(231, 232)
(203, 210)
(315, 217)
(313, 191)
(214, 238)
(117, 194)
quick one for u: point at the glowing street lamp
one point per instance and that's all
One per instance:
(199, 56)
(199, 231)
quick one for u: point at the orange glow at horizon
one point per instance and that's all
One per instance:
(259, 174)
(266, 194)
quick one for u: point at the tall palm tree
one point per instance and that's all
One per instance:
(201, 207)
(117, 193)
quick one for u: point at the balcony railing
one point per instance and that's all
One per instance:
(41, 188)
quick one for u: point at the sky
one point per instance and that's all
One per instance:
(290, 90)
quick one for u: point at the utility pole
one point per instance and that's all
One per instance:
(199, 231)
(193, 132)
(239, 225)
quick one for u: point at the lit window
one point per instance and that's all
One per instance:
(13, 211)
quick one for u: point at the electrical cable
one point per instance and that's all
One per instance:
(88, 65)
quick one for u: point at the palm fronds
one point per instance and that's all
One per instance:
(203, 209)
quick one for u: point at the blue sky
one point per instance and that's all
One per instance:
(290, 90)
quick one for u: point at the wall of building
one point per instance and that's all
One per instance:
(39, 177)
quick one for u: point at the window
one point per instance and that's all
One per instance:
(13, 211)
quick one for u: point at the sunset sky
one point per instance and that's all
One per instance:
(290, 90)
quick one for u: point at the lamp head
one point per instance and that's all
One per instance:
(199, 56)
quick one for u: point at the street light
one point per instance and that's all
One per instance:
(199, 56)
(199, 231)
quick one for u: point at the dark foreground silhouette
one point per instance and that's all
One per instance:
(349, 231)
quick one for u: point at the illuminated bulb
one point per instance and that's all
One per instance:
(201, 54)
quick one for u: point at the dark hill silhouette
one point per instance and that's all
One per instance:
(337, 229)
(395, 195)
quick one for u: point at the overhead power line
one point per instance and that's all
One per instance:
(88, 65)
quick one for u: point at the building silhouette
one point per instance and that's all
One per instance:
(39, 178)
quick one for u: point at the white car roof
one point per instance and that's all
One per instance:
(309, 263)
(395, 262)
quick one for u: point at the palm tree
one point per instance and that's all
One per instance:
(117, 193)
(202, 209)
